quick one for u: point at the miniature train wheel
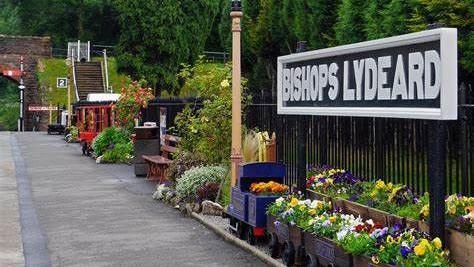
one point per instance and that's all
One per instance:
(251, 239)
(311, 261)
(241, 233)
(301, 259)
(289, 252)
(274, 246)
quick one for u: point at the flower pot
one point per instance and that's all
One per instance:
(323, 252)
(461, 246)
(363, 261)
(379, 216)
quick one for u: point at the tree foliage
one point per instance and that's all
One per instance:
(9, 18)
(157, 36)
(67, 20)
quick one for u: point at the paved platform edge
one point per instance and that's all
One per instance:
(33, 238)
(238, 242)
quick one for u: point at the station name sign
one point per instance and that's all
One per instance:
(407, 76)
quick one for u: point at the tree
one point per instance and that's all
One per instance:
(449, 13)
(9, 19)
(156, 37)
(67, 20)
(395, 17)
(373, 19)
(349, 27)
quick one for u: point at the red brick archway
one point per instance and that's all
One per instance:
(12, 48)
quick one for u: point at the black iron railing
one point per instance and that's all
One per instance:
(375, 148)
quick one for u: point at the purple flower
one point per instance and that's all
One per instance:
(397, 227)
(404, 250)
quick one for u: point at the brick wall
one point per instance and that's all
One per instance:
(32, 49)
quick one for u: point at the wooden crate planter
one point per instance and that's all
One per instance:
(324, 252)
(354, 208)
(311, 194)
(461, 246)
(362, 261)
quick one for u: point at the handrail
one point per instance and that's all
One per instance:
(74, 76)
(106, 71)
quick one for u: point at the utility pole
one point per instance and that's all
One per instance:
(22, 94)
(236, 153)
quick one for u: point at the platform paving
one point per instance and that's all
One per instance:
(101, 215)
(11, 247)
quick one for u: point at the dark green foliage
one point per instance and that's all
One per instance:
(9, 105)
(373, 19)
(395, 17)
(69, 20)
(349, 27)
(9, 18)
(449, 13)
(109, 139)
(157, 36)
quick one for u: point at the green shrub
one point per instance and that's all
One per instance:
(183, 161)
(195, 178)
(108, 139)
(120, 153)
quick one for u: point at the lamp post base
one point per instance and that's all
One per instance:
(236, 159)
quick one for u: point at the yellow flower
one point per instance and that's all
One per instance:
(419, 250)
(312, 212)
(389, 239)
(225, 83)
(332, 219)
(425, 211)
(452, 209)
(379, 184)
(375, 259)
(330, 181)
(302, 207)
(437, 243)
(389, 186)
(293, 202)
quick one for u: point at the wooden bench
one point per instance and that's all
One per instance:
(158, 164)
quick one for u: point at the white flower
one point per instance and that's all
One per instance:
(370, 222)
(341, 234)
(314, 204)
(307, 202)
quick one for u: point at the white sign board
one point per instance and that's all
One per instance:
(61, 82)
(407, 76)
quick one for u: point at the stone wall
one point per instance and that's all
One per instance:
(32, 49)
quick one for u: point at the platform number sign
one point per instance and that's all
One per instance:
(61, 82)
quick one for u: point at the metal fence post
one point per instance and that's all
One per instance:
(301, 132)
(463, 135)
(437, 177)
(379, 151)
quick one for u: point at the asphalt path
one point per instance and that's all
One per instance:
(74, 212)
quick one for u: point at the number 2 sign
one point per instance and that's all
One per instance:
(61, 82)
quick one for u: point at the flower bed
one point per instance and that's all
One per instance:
(335, 238)
(395, 204)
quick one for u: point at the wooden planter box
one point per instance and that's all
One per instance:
(461, 246)
(362, 261)
(311, 194)
(324, 252)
